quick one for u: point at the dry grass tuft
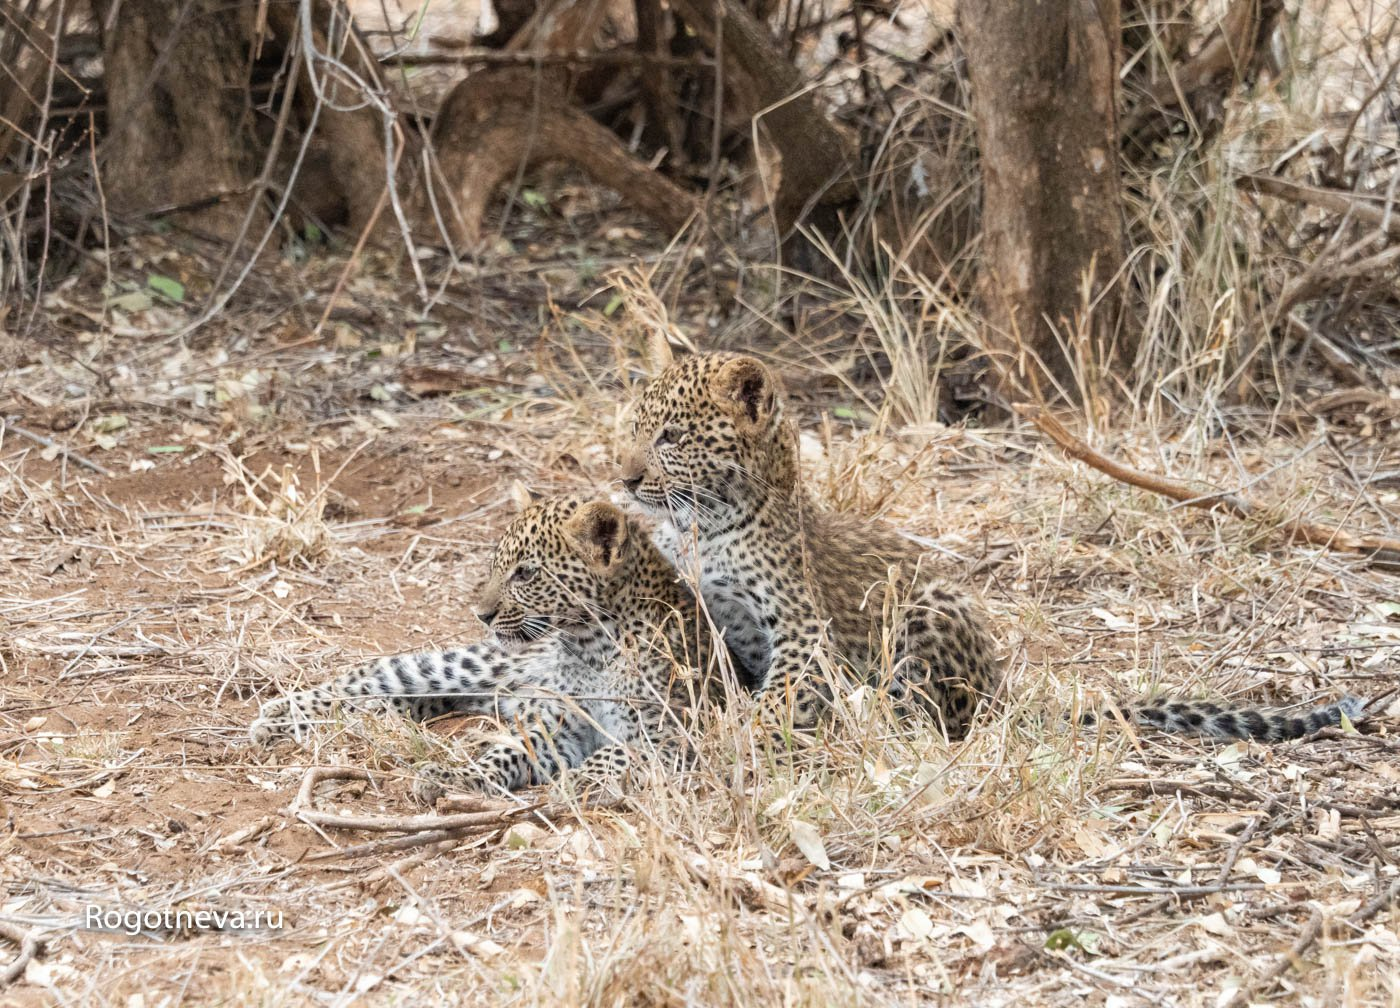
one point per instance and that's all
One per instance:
(282, 524)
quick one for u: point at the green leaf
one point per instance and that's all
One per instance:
(533, 199)
(1062, 939)
(505, 346)
(165, 449)
(844, 413)
(613, 305)
(312, 233)
(166, 287)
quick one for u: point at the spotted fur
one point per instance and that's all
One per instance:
(593, 644)
(715, 459)
(1212, 720)
(799, 591)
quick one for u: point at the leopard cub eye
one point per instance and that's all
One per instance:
(524, 574)
(670, 436)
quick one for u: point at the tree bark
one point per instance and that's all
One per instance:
(183, 132)
(817, 158)
(176, 74)
(1044, 80)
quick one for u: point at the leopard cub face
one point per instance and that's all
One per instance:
(703, 436)
(553, 568)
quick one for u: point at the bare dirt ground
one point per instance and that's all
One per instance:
(279, 506)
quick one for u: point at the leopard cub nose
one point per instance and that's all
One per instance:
(486, 615)
(632, 482)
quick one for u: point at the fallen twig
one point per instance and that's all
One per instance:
(1371, 209)
(28, 945)
(417, 830)
(467, 822)
(1380, 550)
(497, 58)
(408, 842)
(9, 425)
(315, 775)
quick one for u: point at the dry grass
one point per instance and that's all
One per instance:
(318, 511)
(883, 865)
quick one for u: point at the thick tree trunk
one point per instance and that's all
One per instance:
(1044, 82)
(349, 137)
(183, 131)
(178, 133)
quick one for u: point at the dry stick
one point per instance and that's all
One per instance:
(1310, 933)
(496, 57)
(389, 846)
(28, 946)
(421, 830)
(1376, 549)
(472, 822)
(317, 774)
(39, 439)
(1364, 207)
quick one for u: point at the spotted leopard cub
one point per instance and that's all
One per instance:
(593, 649)
(715, 459)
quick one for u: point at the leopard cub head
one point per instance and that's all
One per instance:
(555, 568)
(709, 439)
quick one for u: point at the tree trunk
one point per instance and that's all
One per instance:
(816, 160)
(1044, 82)
(183, 130)
(178, 134)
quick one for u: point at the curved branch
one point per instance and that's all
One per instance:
(28, 946)
(498, 121)
(1376, 549)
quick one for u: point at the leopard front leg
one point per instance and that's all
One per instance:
(796, 691)
(418, 686)
(546, 739)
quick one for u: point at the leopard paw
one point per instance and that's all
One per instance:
(600, 779)
(275, 722)
(433, 780)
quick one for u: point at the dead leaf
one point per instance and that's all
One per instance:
(422, 380)
(809, 841)
(917, 924)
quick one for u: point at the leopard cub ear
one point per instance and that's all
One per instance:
(522, 496)
(746, 389)
(598, 533)
(659, 355)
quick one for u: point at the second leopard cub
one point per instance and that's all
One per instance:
(594, 643)
(715, 459)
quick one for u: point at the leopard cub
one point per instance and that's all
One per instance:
(714, 459)
(593, 655)
(799, 591)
